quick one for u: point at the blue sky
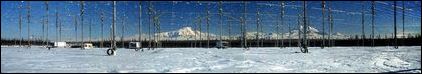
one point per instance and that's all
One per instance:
(347, 17)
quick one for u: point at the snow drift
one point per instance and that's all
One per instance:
(406, 59)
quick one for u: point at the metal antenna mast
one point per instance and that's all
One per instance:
(46, 37)
(112, 49)
(149, 25)
(47, 40)
(140, 23)
(220, 12)
(57, 26)
(282, 23)
(28, 18)
(102, 27)
(395, 26)
(257, 27)
(60, 30)
(200, 34)
(363, 23)
(243, 25)
(200, 27)
(304, 47)
(76, 27)
(123, 31)
(299, 40)
(157, 30)
(20, 25)
(82, 23)
(208, 24)
(403, 15)
(89, 28)
(373, 22)
(330, 17)
(323, 24)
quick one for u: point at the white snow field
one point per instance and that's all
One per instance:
(406, 59)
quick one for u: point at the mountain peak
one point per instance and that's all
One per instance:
(186, 31)
(185, 28)
(183, 34)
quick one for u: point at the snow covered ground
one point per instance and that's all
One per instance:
(334, 59)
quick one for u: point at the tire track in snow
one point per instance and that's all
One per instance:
(388, 62)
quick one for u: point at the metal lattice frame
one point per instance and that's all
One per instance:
(20, 25)
(82, 23)
(363, 23)
(29, 22)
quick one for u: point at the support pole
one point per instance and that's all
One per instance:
(102, 27)
(140, 23)
(373, 22)
(20, 25)
(29, 22)
(82, 24)
(363, 23)
(395, 26)
(305, 30)
(323, 24)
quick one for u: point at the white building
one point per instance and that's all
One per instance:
(88, 46)
(134, 45)
(60, 44)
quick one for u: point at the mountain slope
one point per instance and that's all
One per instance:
(187, 33)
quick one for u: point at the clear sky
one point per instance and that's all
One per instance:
(346, 14)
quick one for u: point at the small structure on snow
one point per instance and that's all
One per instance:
(134, 45)
(222, 44)
(88, 46)
(60, 44)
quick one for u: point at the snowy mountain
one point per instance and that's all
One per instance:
(313, 33)
(185, 33)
